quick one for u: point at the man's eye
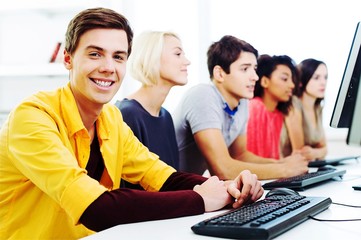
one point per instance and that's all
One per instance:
(120, 57)
(94, 54)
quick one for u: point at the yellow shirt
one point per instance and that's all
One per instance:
(44, 149)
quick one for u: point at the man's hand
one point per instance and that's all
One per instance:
(214, 194)
(293, 165)
(245, 188)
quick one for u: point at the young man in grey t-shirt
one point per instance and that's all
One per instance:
(211, 119)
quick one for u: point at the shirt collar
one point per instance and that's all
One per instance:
(226, 107)
(228, 110)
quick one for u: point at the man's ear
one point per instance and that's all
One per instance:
(218, 73)
(264, 81)
(67, 60)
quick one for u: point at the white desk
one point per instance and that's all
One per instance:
(338, 191)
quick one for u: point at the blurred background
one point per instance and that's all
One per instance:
(31, 29)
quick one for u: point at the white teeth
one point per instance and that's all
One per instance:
(102, 83)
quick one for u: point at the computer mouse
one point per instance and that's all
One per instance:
(281, 192)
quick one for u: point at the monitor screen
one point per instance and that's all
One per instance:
(347, 109)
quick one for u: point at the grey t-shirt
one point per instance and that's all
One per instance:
(202, 107)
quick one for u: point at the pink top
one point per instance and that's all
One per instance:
(264, 130)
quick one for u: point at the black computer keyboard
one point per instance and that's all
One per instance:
(305, 180)
(332, 161)
(264, 219)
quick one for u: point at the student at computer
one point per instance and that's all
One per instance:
(304, 132)
(159, 63)
(63, 153)
(211, 118)
(271, 103)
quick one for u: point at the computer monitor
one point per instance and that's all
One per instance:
(347, 109)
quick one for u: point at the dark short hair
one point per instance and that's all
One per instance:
(266, 66)
(226, 51)
(94, 18)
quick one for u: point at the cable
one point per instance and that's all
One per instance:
(338, 220)
(334, 220)
(346, 205)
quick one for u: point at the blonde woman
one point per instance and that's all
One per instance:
(159, 63)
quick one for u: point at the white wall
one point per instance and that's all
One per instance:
(298, 28)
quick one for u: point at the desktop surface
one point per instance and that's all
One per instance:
(338, 191)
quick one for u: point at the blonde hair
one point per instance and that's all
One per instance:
(144, 63)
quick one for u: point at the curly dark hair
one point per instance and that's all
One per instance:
(266, 65)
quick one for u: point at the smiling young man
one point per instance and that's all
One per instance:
(211, 119)
(63, 153)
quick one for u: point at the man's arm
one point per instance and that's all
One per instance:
(176, 199)
(124, 205)
(238, 150)
(211, 143)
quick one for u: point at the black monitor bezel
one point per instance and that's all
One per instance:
(346, 98)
